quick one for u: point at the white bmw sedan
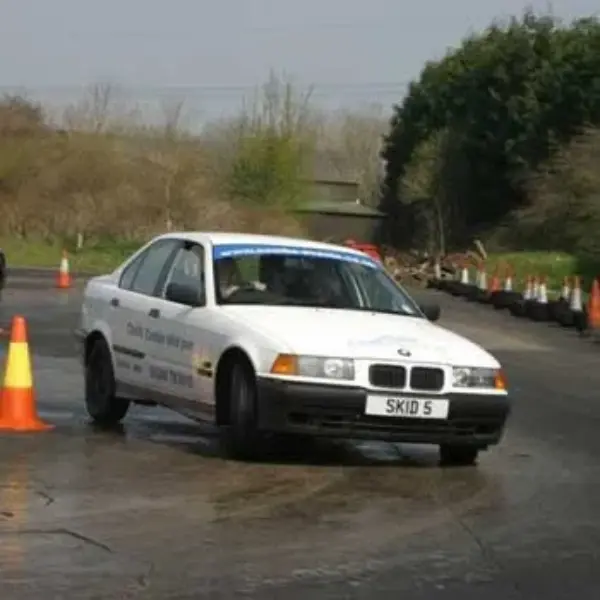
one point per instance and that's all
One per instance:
(265, 335)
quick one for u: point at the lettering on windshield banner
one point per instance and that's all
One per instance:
(170, 376)
(156, 336)
(237, 250)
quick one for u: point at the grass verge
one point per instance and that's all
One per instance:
(554, 265)
(94, 258)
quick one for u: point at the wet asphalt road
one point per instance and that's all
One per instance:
(153, 511)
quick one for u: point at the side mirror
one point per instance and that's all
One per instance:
(183, 294)
(431, 311)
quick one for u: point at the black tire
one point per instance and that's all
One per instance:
(101, 403)
(456, 455)
(242, 438)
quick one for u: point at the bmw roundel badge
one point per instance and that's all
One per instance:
(403, 352)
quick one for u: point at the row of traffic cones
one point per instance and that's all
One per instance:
(568, 310)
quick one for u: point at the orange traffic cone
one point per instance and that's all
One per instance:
(508, 279)
(505, 295)
(535, 296)
(539, 309)
(593, 308)
(463, 286)
(64, 276)
(559, 306)
(494, 285)
(17, 403)
(576, 317)
(482, 284)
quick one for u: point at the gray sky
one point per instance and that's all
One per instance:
(211, 53)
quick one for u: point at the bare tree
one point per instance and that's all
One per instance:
(422, 184)
(350, 146)
(170, 161)
(94, 112)
(173, 118)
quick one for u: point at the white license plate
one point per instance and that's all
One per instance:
(410, 408)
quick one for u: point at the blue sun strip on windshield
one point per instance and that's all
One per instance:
(238, 250)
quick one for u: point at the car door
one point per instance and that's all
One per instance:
(132, 332)
(184, 358)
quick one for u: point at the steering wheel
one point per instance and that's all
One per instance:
(247, 286)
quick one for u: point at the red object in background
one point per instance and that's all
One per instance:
(369, 249)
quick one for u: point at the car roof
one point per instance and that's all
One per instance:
(223, 237)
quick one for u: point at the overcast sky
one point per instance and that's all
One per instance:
(352, 51)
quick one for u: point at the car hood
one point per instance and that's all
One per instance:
(362, 335)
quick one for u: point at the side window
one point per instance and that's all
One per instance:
(188, 270)
(155, 262)
(130, 271)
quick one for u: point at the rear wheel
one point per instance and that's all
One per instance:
(242, 438)
(101, 403)
(455, 455)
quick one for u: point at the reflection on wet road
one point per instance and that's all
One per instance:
(152, 510)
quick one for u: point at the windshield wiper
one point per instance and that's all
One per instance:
(266, 299)
(384, 311)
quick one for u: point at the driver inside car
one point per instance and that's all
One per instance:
(230, 279)
(326, 286)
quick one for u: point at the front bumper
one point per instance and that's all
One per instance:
(332, 411)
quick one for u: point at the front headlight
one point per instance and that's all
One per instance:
(321, 367)
(477, 377)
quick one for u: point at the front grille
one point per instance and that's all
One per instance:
(359, 424)
(348, 419)
(426, 379)
(387, 376)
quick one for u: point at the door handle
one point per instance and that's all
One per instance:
(154, 313)
(114, 302)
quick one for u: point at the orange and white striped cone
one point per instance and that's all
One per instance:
(504, 296)
(540, 310)
(560, 306)
(437, 270)
(565, 292)
(464, 275)
(18, 410)
(528, 294)
(508, 281)
(519, 304)
(536, 289)
(593, 311)
(64, 276)
(535, 295)
(482, 284)
(576, 300)
(464, 286)
(577, 316)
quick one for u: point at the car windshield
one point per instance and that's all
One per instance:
(298, 276)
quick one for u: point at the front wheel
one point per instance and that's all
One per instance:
(242, 437)
(100, 400)
(455, 455)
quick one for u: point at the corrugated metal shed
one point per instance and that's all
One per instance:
(341, 220)
(353, 209)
